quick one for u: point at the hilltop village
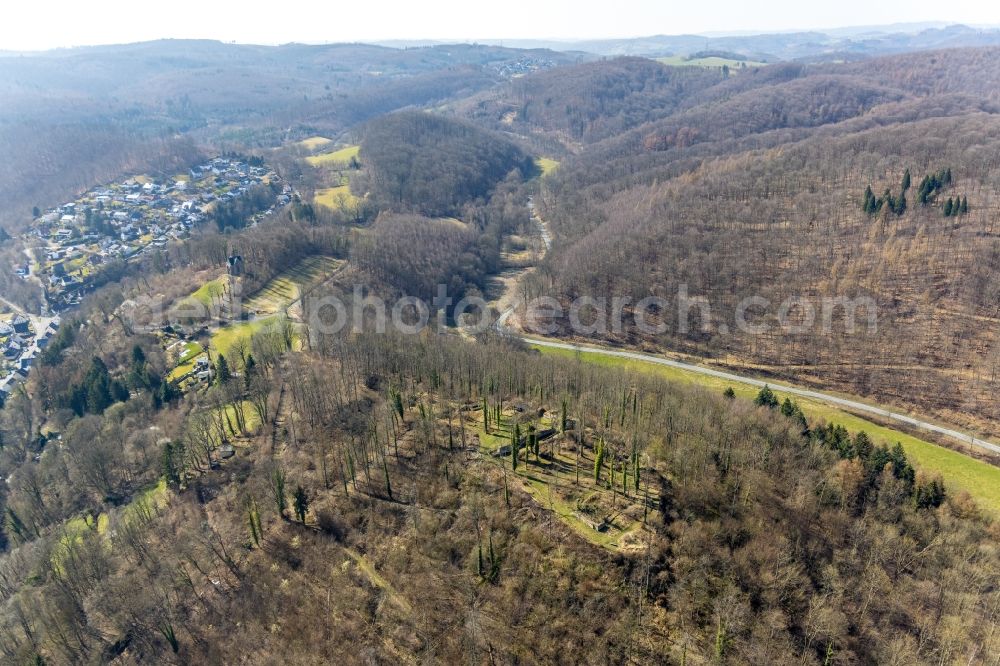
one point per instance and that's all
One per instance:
(71, 243)
(71, 246)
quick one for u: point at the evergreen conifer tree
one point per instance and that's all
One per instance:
(300, 502)
(222, 372)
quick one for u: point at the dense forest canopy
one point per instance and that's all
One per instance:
(754, 185)
(592, 100)
(751, 552)
(413, 255)
(428, 164)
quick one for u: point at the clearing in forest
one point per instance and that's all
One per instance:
(341, 157)
(287, 287)
(314, 143)
(546, 165)
(562, 481)
(708, 61)
(143, 502)
(365, 566)
(337, 198)
(225, 339)
(212, 291)
(228, 428)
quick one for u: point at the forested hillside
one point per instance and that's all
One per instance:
(414, 254)
(591, 101)
(846, 43)
(450, 194)
(756, 186)
(375, 505)
(432, 165)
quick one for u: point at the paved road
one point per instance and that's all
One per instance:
(15, 308)
(40, 323)
(853, 405)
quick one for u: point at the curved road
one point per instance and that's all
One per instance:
(853, 405)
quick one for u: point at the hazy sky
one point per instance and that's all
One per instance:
(39, 24)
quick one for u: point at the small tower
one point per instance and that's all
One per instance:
(234, 265)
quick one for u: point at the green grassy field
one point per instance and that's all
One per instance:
(341, 157)
(225, 339)
(185, 361)
(251, 422)
(711, 61)
(211, 290)
(270, 300)
(546, 164)
(335, 197)
(286, 287)
(961, 472)
(153, 497)
(314, 142)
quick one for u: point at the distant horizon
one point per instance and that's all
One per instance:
(912, 27)
(64, 24)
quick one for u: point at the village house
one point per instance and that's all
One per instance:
(20, 324)
(12, 350)
(131, 218)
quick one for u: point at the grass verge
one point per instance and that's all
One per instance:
(961, 472)
(340, 157)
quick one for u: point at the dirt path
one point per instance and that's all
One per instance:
(508, 300)
(368, 569)
(278, 422)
